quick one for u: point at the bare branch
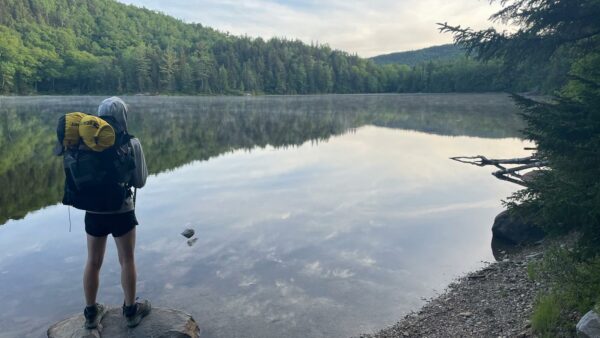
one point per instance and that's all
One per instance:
(505, 173)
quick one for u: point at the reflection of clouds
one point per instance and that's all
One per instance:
(272, 256)
(323, 238)
(222, 274)
(73, 259)
(326, 182)
(290, 235)
(179, 271)
(341, 273)
(293, 294)
(429, 210)
(332, 235)
(312, 269)
(316, 270)
(355, 256)
(247, 281)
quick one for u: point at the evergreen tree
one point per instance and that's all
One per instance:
(566, 130)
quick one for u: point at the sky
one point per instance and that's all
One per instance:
(367, 28)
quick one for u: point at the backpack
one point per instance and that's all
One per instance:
(98, 162)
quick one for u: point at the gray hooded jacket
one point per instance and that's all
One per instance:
(116, 108)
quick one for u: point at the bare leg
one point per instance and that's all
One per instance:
(125, 248)
(91, 275)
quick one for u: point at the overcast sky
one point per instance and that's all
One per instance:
(368, 28)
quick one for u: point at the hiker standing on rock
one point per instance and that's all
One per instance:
(102, 163)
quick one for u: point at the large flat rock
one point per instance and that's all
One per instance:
(160, 323)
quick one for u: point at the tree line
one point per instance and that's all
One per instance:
(102, 46)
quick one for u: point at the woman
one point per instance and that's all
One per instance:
(121, 224)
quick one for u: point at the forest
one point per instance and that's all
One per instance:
(447, 52)
(105, 47)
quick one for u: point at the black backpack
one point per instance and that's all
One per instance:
(99, 181)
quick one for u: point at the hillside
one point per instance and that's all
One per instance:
(447, 52)
(102, 46)
(106, 47)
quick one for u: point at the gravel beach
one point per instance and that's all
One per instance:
(495, 301)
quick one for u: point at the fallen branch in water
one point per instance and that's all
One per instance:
(512, 174)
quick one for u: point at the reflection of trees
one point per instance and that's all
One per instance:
(175, 131)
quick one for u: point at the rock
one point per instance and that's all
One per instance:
(589, 325)
(160, 323)
(188, 233)
(515, 230)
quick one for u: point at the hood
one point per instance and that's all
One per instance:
(117, 109)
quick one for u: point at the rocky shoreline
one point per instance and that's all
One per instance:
(495, 301)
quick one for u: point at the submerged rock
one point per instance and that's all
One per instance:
(515, 230)
(589, 325)
(188, 233)
(163, 323)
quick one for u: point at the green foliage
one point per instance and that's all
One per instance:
(563, 35)
(574, 281)
(546, 316)
(544, 27)
(567, 132)
(103, 46)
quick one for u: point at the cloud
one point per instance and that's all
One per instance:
(366, 28)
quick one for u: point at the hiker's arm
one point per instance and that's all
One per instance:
(141, 171)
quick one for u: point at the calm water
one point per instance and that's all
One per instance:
(317, 216)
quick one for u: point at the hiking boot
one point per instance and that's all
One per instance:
(136, 312)
(93, 315)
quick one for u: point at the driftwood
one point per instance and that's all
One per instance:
(512, 174)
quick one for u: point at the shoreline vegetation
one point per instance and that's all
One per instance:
(532, 95)
(564, 198)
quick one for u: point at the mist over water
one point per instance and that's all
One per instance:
(316, 216)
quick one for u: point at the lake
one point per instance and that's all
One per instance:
(315, 216)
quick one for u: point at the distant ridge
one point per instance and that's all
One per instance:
(436, 53)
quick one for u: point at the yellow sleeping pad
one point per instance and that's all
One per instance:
(96, 133)
(70, 133)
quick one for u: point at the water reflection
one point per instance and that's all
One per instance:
(176, 131)
(340, 234)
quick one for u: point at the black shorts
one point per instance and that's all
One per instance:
(100, 225)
